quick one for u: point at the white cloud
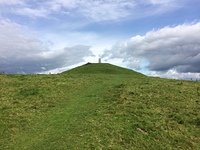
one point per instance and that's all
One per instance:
(95, 10)
(98, 10)
(173, 74)
(170, 48)
(14, 38)
(32, 12)
(12, 2)
(163, 2)
(21, 51)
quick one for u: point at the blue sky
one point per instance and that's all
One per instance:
(155, 37)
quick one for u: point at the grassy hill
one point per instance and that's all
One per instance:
(102, 68)
(98, 106)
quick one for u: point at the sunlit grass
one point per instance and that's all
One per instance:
(116, 109)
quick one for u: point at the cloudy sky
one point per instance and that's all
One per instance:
(155, 37)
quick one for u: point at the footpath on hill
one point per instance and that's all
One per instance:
(56, 113)
(98, 111)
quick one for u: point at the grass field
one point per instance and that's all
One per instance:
(98, 106)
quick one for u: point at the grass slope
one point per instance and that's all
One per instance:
(98, 109)
(102, 68)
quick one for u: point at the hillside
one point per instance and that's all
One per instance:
(101, 68)
(98, 106)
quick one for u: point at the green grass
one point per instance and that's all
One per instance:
(98, 106)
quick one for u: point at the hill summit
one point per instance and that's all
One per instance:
(101, 68)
